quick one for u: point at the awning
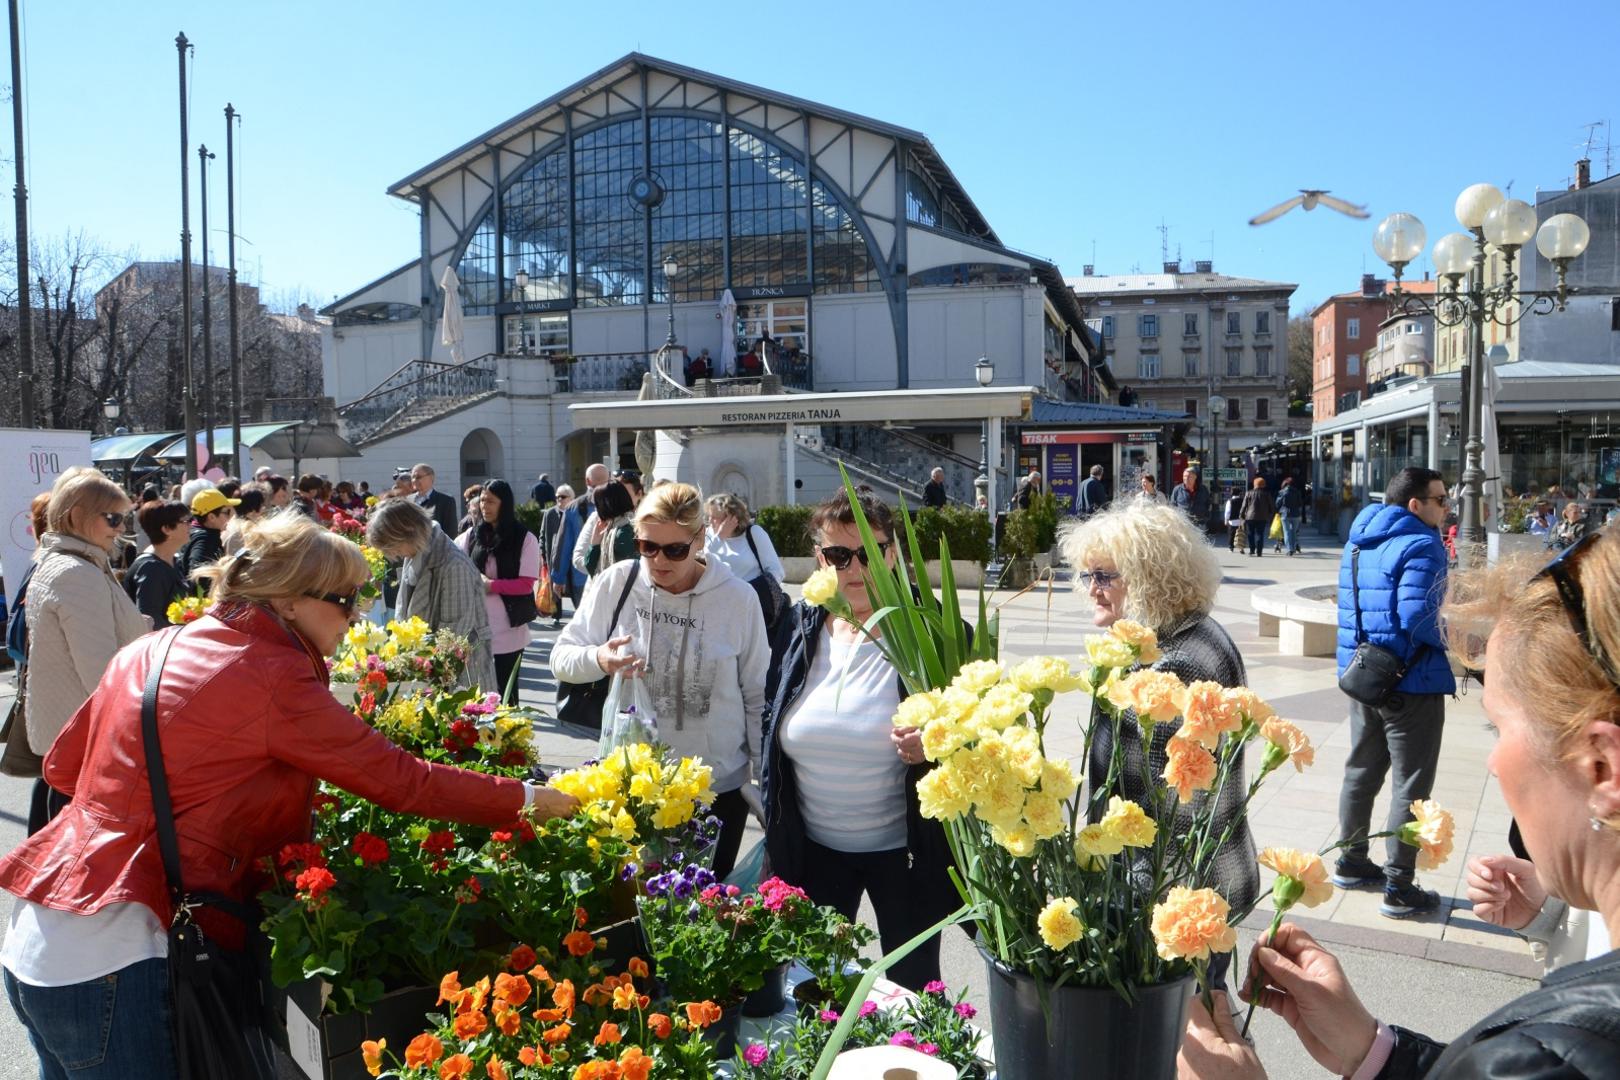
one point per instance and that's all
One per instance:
(120, 448)
(291, 440)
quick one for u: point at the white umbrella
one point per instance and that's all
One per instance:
(450, 330)
(728, 334)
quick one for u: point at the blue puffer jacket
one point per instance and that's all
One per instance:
(1403, 580)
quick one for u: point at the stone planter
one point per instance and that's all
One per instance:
(968, 574)
(796, 568)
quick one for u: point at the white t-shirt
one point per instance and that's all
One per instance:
(852, 783)
(46, 947)
(739, 557)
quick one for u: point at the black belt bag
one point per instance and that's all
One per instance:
(1374, 671)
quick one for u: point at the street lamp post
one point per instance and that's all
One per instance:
(671, 270)
(1466, 300)
(204, 156)
(110, 409)
(520, 281)
(1216, 404)
(983, 373)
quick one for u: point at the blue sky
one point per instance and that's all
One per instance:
(1076, 127)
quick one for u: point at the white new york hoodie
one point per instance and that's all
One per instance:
(707, 656)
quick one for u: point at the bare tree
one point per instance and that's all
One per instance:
(1301, 359)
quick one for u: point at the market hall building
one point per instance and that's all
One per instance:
(845, 240)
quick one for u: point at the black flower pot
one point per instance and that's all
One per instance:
(723, 1033)
(770, 997)
(1093, 1030)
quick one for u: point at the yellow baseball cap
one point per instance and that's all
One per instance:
(208, 500)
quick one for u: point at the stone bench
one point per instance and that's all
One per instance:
(1303, 618)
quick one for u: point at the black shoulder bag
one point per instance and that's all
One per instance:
(772, 600)
(1374, 671)
(218, 1011)
(581, 704)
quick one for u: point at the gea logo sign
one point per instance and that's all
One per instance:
(43, 463)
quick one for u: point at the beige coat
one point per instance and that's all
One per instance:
(78, 617)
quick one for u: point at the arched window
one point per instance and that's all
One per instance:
(536, 233)
(609, 225)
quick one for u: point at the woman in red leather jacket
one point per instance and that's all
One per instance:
(248, 724)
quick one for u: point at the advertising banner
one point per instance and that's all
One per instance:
(34, 459)
(1063, 473)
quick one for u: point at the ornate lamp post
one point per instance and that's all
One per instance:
(983, 373)
(1217, 404)
(520, 281)
(110, 409)
(671, 270)
(1506, 225)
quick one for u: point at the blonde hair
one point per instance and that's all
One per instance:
(726, 504)
(286, 555)
(1169, 569)
(1562, 686)
(673, 504)
(78, 491)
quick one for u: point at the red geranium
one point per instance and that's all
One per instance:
(371, 849)
(313, 885)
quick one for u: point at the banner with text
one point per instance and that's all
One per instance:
(36, 459)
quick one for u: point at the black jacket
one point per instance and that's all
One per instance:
(792, 650)
(203, 546)
(154, 584)
(1568, 1028)
(934, 494)
(443, 510)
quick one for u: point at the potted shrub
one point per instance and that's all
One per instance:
(789, 530)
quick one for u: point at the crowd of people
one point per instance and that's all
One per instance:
(789, 705)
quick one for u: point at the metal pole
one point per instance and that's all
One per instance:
(187, 398)
(1472, 526)
(25, 318)
(669, 290)
(790, 442)
(230, 247)
(203, 157)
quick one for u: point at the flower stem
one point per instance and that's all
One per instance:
(1254, 979)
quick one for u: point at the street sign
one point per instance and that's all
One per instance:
(1232, 476)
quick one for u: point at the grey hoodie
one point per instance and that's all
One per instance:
(707, 656)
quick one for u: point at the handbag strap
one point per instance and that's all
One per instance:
(157, 776)
(629, 583)
(748, 534)
(1355, 590)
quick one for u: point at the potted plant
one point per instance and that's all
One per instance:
(827, 944)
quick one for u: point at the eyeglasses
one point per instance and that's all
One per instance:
(347, 601)
(672, 552)
(1101, 578)
(115, 520)
(839, 557)
(1438, 500)
(1562, 570)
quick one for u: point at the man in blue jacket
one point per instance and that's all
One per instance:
(1402, 578)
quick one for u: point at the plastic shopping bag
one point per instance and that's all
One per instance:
(545, 593)
(627, 715)
(749, 870)
(1276, 527)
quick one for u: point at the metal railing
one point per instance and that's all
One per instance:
(599, 372)
(415, 383)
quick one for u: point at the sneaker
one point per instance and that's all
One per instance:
(1356, 871)
(1402, 901)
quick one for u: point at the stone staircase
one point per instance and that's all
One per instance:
(418, 393)
(863, 471)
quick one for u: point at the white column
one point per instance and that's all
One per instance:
(1434, 430)
(612, 459)
(789, 441)
(993, 458)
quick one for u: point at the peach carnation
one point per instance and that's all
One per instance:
(1189, 767)
(1142, 640)
(1287, 743)
(1154, 696)
(1208, 712)
(1191, 923)
(1305, 870)
(1431, 833)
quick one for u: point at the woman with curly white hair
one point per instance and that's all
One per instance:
(1147, 562)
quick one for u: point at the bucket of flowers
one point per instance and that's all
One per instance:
(401, 657)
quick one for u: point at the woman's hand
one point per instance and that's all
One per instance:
(1212, 1048)
(1303, 983)
(1505, 891)
(615, 658)
(489, 585)
(908, 744)
(550, 803)
(598, 527)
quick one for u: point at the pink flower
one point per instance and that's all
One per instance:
(966, 1011)
(905, 1039)
(756, 1053)
(828, 1016)
(931, 1049)
(867, 1009)
(934, 987)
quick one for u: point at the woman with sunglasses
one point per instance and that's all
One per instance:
(1149, 563)
(508, 555)
(690, 628)
(247, 725)
(78, 613)
(841, 810)
(1552, 694)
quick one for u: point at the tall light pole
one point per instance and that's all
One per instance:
(983, 373)
(188, 400)
(203, 158)
(671, 269)
(520, 282)
(231, 119)
(25, 318)
(1216, 404)
(1507, 225)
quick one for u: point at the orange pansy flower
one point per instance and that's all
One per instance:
(455, 1067)
(512, 989)
(371, 1053)
(702, 1013)
(508, 1021)
(450, 987)
(425, 1049)
(579, 943)
(609, 1033)
(562, 996)
(470, 1025)
(659, 1025)
(496, 1068)
(638, 967)
(634, 1064)
(557, 1034)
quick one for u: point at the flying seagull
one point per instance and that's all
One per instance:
(1308, 198)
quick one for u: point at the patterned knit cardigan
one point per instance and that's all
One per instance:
(1194, 648)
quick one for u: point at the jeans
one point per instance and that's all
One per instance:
(1290, 532)
(505, 664)
(1256, 531)
(1404, 734)
(113, 1028)
(838, 878)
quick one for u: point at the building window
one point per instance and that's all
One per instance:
(1190, 407)
(1262, 322)
(1352, 364)
(1190, 362)
(843, 264)
(1147, 326)
(1262, 361)
(535, 207)
(1108, 327)
(1234, 362)
(612, 267)
(921, 205)
(1234, 409)
(1234, 322)
(1414, 328)
(1148, 365)
(1323, 334)
(1262, 409)
(970, 275)
(547, 334)
(769, 201)
(1189, 325)
(690, 223)
(1352, 329)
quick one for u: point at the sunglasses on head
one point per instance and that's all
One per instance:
(672, 552)
(347, 601)
(839, 557)
(1563, 572)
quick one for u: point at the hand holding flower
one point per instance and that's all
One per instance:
(1303, 983)
(908, 744)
